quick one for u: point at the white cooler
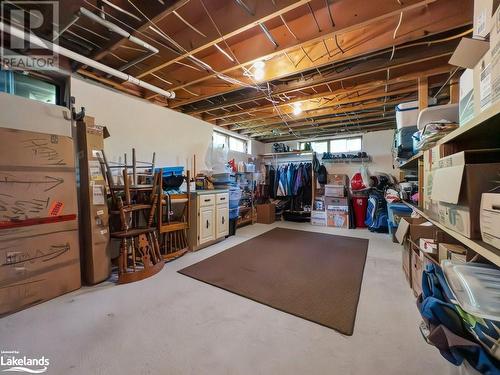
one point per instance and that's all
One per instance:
(407, 113)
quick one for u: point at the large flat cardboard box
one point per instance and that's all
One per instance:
(458, 185)
(39, 246)
(406, 261)
(95, 242)
(30, 149)
(266, 213)
(37, 267)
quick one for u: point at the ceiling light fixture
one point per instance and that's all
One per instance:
(259, 70)
(297, 108)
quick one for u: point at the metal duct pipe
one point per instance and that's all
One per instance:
(21, 34)
(112, 27)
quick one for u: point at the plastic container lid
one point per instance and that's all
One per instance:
(476, 288)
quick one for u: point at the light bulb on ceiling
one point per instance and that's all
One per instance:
(297, 108)
(259, 70)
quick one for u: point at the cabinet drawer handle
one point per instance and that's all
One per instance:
(223, 220)
(207, 200)
(223, 199)
(207, 224)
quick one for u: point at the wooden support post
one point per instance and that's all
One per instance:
(454, 91)
(423, 93)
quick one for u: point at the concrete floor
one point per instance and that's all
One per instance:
(172, 324)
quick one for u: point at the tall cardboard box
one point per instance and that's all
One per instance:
(39, 252)
(95, 242)
(483, 11)
(457, 187)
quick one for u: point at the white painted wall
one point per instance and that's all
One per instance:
(133, 122)
(376, 144)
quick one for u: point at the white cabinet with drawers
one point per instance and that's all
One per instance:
(209, 218)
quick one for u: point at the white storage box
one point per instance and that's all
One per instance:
(407, 113)
(437, 113)
(490, 219)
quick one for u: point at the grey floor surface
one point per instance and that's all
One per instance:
(172, 324)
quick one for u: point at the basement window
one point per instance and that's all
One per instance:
(351, 144)
(229, 142)
(28, 87)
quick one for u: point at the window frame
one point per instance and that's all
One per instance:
(227, 143)
(329, 140)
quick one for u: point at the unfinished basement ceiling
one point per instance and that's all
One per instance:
(279, 69)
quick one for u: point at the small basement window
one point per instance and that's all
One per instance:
(28, 87)
(351, 144)
(232, 143)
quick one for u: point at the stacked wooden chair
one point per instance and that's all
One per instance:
(133, 208)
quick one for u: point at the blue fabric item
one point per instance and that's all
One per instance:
(448, 331)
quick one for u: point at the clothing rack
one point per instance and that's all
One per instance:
(278, 159)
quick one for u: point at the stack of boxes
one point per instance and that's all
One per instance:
(480, 83)
(336, 201)
(39, 251)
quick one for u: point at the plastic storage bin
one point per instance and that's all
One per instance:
(407, 113)
(395, 211)
(234, 213)
(168, 171)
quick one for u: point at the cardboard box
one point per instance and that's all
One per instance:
(403, 230)
(458, 185)
(266, 213)
(482, 22)
(495, 57)
(338, 217)
(451, 251)
(428, 245)
(466, 104)
(337, 180)
(490, 219)
(416, 272)
(406, 261)
(318, 215)
(30, 149)
(318, 218)
(94, 218)
(334, 191)
(39, 249)
(332, 202)
(483, 82)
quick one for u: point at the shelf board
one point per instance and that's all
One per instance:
(412, 163)
(288, 153)
(484, 124)
(482, 248)
(347, 160)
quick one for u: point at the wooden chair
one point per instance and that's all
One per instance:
(139, 255)
(173, 233)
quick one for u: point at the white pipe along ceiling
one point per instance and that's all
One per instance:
(42, 43)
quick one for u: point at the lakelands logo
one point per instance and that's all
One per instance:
(13, 361)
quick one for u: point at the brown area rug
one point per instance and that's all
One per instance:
(312, 275)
